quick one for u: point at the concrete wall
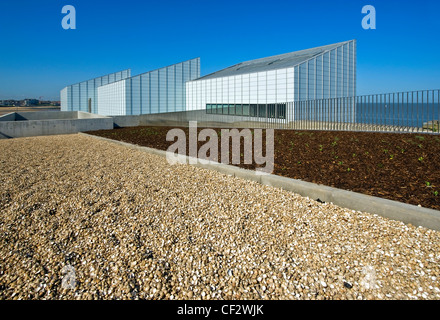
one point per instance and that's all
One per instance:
(28, 124)
(45, 115)
(8, 117)
(181, 119)
(48, 115)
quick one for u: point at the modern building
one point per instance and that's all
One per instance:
(30, 102)
(157, 91)
(264, 87)
(83, 96)
(258, 88)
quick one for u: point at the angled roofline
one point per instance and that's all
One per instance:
(292, 66)
(140, 74)
(165, 67)
(99, 77)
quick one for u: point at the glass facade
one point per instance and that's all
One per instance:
(273, 110)
(330, 74)
(157, 91)
(112, 99)
(264, 90)
(78, 97)
(268, 87)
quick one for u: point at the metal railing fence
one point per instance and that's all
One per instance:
(416, 111)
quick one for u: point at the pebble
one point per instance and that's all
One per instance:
(131, 226)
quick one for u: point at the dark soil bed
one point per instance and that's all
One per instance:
(401, 167)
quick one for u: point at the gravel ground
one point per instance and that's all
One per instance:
(83, 219)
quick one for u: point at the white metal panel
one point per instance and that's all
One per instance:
(189, 96)
(238, 94)
(225, 87)
(171, 89)
(112, 99)
(63, 98)
(135, 95)
(83, 96)
(245, 88)
(199, 101)
(262, 85)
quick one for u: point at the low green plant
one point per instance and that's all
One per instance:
(335, 142)
(421, 159)
(321, 147)
(428, 184)
(435, 193)
(149, 132)
(304, 133)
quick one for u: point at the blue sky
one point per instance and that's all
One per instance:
(38, 57)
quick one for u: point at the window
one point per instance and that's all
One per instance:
(238, 109)
(281, 111)
(262, 110)
(245, 110)
(274, 111)
(271, 110)
(253, 108)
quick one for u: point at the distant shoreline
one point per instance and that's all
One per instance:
(8, 109)
(32, 107)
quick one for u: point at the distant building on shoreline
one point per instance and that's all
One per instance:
(28, 103)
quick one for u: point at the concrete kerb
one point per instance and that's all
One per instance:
(394, 210)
